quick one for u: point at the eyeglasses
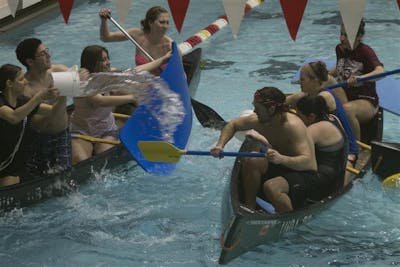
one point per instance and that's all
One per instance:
(43, 53)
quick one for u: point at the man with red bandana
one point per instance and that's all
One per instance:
(283, 175)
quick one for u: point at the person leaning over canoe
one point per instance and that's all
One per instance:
(331, 146)
(313, 78)
(151, 37)
(289, 160)
(92, 116)
(359, 100)
(51, 148)
(16, 111)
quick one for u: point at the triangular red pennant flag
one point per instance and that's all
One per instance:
(293, 11)
(178, 10)
(66, 6)
(398, 3)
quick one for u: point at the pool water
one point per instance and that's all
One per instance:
(126, 217)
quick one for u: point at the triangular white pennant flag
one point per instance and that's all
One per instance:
(352, 12)
(14, 5)
(234, 10)
(123, 7)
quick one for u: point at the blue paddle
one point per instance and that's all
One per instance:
(143, 126)
(372, 77)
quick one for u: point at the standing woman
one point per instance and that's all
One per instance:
(359, 100)
(16, 111)
(92, 115)
(151, 37)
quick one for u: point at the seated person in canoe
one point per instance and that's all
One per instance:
(92, 116)
(290, 158)
(331, 147)
(51, 148)
(359, 100)
(313, 78)
(16, 112)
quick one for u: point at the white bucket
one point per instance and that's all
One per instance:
(67, 82)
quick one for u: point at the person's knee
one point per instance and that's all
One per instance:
(272, 187)
(269, 189)
(79, 156)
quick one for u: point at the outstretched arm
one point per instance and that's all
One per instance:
(238, 124)
(105, 34)
(112, 100)
(14, 116)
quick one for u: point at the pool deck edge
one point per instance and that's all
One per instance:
(26, 14)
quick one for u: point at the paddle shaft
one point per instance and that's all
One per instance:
(227, 154)
(372, 77)
(96, 139)
(130, 38)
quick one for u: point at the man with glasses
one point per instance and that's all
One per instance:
(51, 151)
(285, 174)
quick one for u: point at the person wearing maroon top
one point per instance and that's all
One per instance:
(359, 99)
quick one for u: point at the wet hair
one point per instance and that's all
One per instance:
(313, 104)
(91, 55)
(8, 72)
(26, 49)
(319, 70)
(272, 96)
(151, 16)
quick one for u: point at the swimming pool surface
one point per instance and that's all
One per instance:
(126, 217)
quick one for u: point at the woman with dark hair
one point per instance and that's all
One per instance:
(313, 78)
(16, 111)
(358, 61)
(330, 146)
(92, 116)
(151, 37)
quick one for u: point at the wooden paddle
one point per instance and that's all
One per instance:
(96, 139)
(121, 116)
(206, 115)
(158, 151)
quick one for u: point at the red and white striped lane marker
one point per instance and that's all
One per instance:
(205, 33)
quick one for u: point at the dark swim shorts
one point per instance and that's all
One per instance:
(297, 180)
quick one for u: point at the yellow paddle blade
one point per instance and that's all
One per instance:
(392, 181)
(158, 151)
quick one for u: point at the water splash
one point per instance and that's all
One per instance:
(152, 91)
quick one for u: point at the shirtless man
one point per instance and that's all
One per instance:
(51, 150)
(290, 159)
